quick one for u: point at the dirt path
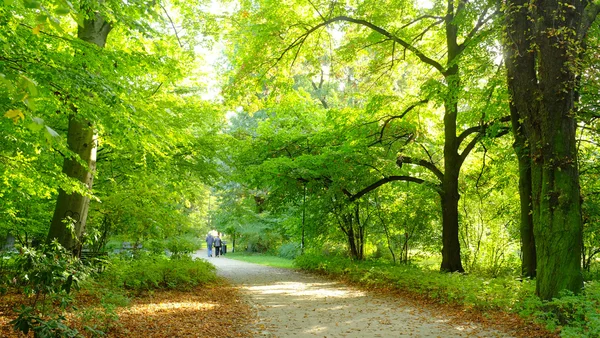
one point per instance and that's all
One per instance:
(295, 304)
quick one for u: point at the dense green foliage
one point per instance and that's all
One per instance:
(150, 272)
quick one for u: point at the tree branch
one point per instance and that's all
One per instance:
(172, 25)
(382, 182)
(300, 40)
(421, 18)
(483, 19)
(386, 122)
(425, 164)
(482, 130)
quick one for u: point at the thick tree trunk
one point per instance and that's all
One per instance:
(451, 259)
(70, 214)
(528, 253)
(541, 82)
(71, 209)
(558, 228)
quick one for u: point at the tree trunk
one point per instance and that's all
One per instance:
(70, 214)
(451, 260)
(528, 259)
(540, 65)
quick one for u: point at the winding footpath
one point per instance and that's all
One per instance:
(289, 303)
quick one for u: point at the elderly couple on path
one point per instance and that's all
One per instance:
(213, 241)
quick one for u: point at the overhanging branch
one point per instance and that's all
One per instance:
(300, 40)
(384, 181)
(425, 164)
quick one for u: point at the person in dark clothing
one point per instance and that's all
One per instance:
(209, 243)
(217, 244)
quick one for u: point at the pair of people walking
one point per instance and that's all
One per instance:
(213, 241)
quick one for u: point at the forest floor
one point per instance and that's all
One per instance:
(258, 301)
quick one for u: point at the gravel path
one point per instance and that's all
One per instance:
(296, 304)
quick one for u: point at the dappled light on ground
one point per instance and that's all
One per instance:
(318, 290)
(202, 312)
(210, 311)
(170, 307)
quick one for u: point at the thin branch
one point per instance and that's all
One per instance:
(316, 9)
(420, 35)
(155, 90)
(300, 40)
(478, 129)
(421, 18)
(391, 118)
(482, 20)
(477, 138)
(172, 24)
(427, 152)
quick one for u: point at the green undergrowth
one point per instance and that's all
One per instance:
(150, 272)
(262, 259)
(572, 315)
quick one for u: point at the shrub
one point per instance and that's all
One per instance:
(158, 272)
(47, 275)
(289, 250)
(183, 245)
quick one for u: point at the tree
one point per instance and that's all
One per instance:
(542, 49)
(70, 214)
(461, 28)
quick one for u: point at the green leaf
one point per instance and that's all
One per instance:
(41, 18)
(32, 4)
(79, 18)
(36, 124)
(62, 11)
(51, 132)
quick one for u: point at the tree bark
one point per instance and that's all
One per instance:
(451, 259)
(528, 253)
(541, 63)
(70, 214)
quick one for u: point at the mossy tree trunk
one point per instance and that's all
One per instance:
(528, 254)
(541, 64)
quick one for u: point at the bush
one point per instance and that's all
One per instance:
(47, 275)
(183, 245)
(289, 250)
(149, 272)
(8, 270)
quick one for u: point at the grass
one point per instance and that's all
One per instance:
(262, 259)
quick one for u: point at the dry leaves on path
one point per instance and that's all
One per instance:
(210, 311)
